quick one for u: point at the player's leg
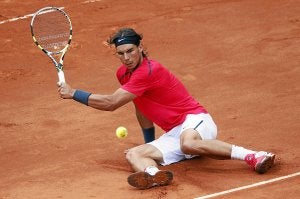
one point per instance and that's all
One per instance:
(142, 156)
(164, 151)
(201, 140)
(259, 161)
(198, 137)
(143, 160)
(192, 143)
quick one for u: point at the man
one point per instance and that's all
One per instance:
(160, 98)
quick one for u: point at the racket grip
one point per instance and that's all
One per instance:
(61, 77)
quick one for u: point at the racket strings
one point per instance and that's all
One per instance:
(52, 30)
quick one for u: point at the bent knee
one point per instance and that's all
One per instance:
(131, 154)
(194, 147)
(186, 147)
(189, 141)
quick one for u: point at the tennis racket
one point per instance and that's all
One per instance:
(51, 31)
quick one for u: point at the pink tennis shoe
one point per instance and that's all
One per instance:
(261, 161)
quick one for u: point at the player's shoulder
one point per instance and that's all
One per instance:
(149, 66)
(158, 68)
(154, 65)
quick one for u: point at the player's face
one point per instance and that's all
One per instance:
(130, 55)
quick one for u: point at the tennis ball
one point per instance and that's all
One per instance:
(121, 132)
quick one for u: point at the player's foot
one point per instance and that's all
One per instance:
(261, 161)
(143, 180)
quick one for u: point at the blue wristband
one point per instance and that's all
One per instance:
(81, 96)
(149, 134)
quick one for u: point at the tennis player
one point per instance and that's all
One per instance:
(161, 99)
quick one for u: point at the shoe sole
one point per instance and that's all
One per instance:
(265, 165)
(143, 180)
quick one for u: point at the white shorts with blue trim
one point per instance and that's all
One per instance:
(169, 142)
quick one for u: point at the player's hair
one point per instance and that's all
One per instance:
(126, 32)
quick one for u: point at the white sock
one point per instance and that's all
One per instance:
(152, 170)
(239, 153)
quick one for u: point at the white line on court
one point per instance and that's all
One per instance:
(249, 186)
(18, 18)
(30, 15)
(91, 1)
(15, 19)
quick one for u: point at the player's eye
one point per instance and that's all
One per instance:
(120, 53)
(130, 50)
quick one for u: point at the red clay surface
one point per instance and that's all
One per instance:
(239, 58)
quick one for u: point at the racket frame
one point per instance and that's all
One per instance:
(59, 64)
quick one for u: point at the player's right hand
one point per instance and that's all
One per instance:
(65, 91)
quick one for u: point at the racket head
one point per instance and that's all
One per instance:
(51, 30)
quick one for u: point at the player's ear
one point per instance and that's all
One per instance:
(140, 47)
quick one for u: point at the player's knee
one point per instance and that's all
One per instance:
(131, 154)
(186, 147)
(191, 146)
(190, 141)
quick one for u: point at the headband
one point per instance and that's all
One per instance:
(127, 40)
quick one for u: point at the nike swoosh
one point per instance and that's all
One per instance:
(121, 39)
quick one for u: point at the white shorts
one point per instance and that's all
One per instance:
(169, 142)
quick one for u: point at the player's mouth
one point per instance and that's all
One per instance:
(129, 65)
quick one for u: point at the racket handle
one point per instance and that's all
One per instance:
(61, 77)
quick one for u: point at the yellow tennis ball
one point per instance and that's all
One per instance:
(121, 132)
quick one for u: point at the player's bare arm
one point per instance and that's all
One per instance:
(102, 102)
(110, 102)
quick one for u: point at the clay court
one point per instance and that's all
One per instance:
(239, 58)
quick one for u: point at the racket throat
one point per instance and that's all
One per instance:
(59, 67)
